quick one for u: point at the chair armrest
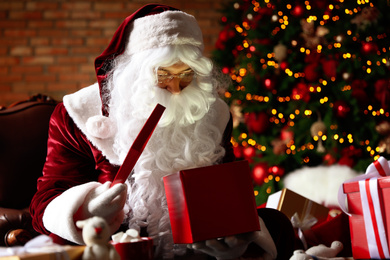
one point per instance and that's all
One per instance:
(15, 227)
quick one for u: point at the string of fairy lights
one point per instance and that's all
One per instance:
(278, 117)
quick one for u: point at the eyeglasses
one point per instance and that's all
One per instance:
(165, 77)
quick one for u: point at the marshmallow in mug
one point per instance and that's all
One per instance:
(131, 235)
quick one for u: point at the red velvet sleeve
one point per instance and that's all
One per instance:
(71, 160)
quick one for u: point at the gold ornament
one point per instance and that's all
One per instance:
(318, 129)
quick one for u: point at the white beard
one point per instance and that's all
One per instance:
(184, 138)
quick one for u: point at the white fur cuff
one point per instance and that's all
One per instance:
(58, 216)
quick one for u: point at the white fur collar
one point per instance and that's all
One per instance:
(85, 106)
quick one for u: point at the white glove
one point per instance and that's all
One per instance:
(82, 202)
(232, 247)
(104, 202)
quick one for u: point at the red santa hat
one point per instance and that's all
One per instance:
(149, 27)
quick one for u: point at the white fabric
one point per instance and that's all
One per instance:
(85, 104)
(58, 216)
(166, 28)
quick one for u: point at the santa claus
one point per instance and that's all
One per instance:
(154, 57)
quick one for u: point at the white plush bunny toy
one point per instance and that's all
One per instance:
(96, 234)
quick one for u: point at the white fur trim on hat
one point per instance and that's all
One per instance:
(166, 28)
(100, 127)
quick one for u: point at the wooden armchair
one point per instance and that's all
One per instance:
(23, 140)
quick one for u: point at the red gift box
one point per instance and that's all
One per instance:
(368, 198)
(211, 202)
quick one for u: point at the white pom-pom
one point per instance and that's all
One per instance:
(101, 127)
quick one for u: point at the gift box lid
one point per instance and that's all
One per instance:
(290, 203)
(349, 187)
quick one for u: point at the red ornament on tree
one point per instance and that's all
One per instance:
(257, 122)
(238, 151)
(284, 65)
(330, 68)
(260, 173)
(329, 159)
(286, 134)
(341, 108)
(300, 92)
(358, 91)
(298, 10)
(346, 160)
(382, 92)
(269, 84)
(277, 170)
(226, 70)
(311, 72)
(369, 47)
(249, 152)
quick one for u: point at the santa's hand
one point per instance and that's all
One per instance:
(232, 247)
(84, 201)
(105, 201)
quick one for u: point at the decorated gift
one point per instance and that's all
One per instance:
(368, 198)
(303, 212)
(211, 202)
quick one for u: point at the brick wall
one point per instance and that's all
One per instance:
(49, 46)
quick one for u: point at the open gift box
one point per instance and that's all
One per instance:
(211, 202)
(368, 198)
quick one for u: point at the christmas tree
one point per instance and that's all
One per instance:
(310, 84)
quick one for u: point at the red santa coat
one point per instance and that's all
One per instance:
(74, 159)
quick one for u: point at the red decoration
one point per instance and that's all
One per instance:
(382, 92)
(249, 152)
(359, 92)
(351, 151)
(300, 92)
(277, 170)
(329, 159)
(226, 70)
(238, 151)
(369, 47)
(284, 65)
(311, 72)
(223, 37)
(341, 108)
(298, 10)
(346, 160)
(269, 84)
(330, 68)
(260, 173)
(286, 134)
(257, 122)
